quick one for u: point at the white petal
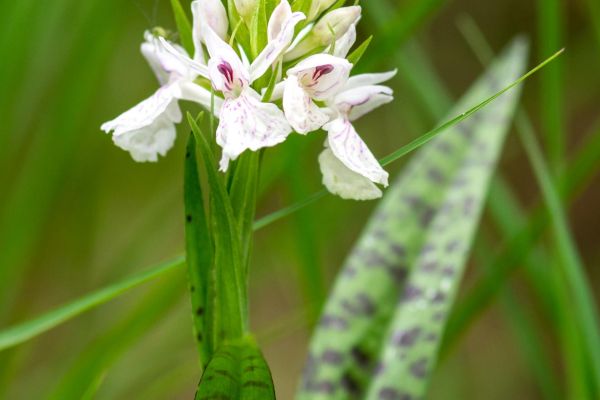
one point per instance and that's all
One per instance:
(350, 149)
(226, 70)
(147, 143)
(161, 103)
(164, 63)
(322, 75)
(345, 43)
(248, 124)
(341, 181)
(359, 101)
(193, 65)
(209, 13)
(369, 79)
(281, 32)
(192, 92)
(301, 112)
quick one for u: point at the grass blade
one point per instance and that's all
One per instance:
(23, 332)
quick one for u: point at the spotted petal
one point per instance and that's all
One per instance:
(161, 103)
(341, 181)
(248, 124)
(350, 149)
(322, 75)
(281, 34)
(301, 112)
(369, 79)
(147, 143)
(359, 101)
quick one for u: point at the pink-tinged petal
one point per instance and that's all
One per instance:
(301, 112)
(355, 103)
(281, 34)
(248, 124)
(343, 182)
(350, 149)
(345, 43)
(147, 143)
(164, 63)
(322, 75)
(163, 103)
(226, 70)
(369, 79)
(190, 91)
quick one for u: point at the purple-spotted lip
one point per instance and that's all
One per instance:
(322, 70)
(226, 70)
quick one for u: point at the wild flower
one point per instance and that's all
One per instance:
(299, 80)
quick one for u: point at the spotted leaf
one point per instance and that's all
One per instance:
(379, 333)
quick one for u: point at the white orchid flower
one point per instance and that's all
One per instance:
(320, 77)
(246, 123)
(148, 129)
(349, 168)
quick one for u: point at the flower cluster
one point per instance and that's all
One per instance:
(299, 81)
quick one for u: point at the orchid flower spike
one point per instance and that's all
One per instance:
(246, 122)
(148, 129)
(349, 168)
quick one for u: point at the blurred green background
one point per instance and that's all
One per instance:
(76, 213)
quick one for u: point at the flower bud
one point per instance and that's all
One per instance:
(246, 8)
(326, 31)
(317, 7)
(211, 13)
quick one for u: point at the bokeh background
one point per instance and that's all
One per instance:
(76, 213)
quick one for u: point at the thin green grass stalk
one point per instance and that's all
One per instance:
(569, 262)
(594, 14)
(572, 268)
(24, 332)
(551, 95)
(524, 330)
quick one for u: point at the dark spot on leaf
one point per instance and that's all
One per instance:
(419, 368)
(199, 311)
(436, 175)
(256, 384)
(399, 274)
(452, 246)
(439, 297)
(429, 267)
(389, 394)
(332, 357)
(411, 293)
(333, 322)
(398, 250)
(199, 337)
(350, 384)
(407, 338)
(361, 357)
(188, 218)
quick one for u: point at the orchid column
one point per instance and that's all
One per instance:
(262, 70)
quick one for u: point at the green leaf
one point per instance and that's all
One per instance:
(243, 193)
(183, 26)
(258, 30)
(380, 331)
(199, 255)
(23, 332)
(237, 371)
(357, 54)
(231, 310)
